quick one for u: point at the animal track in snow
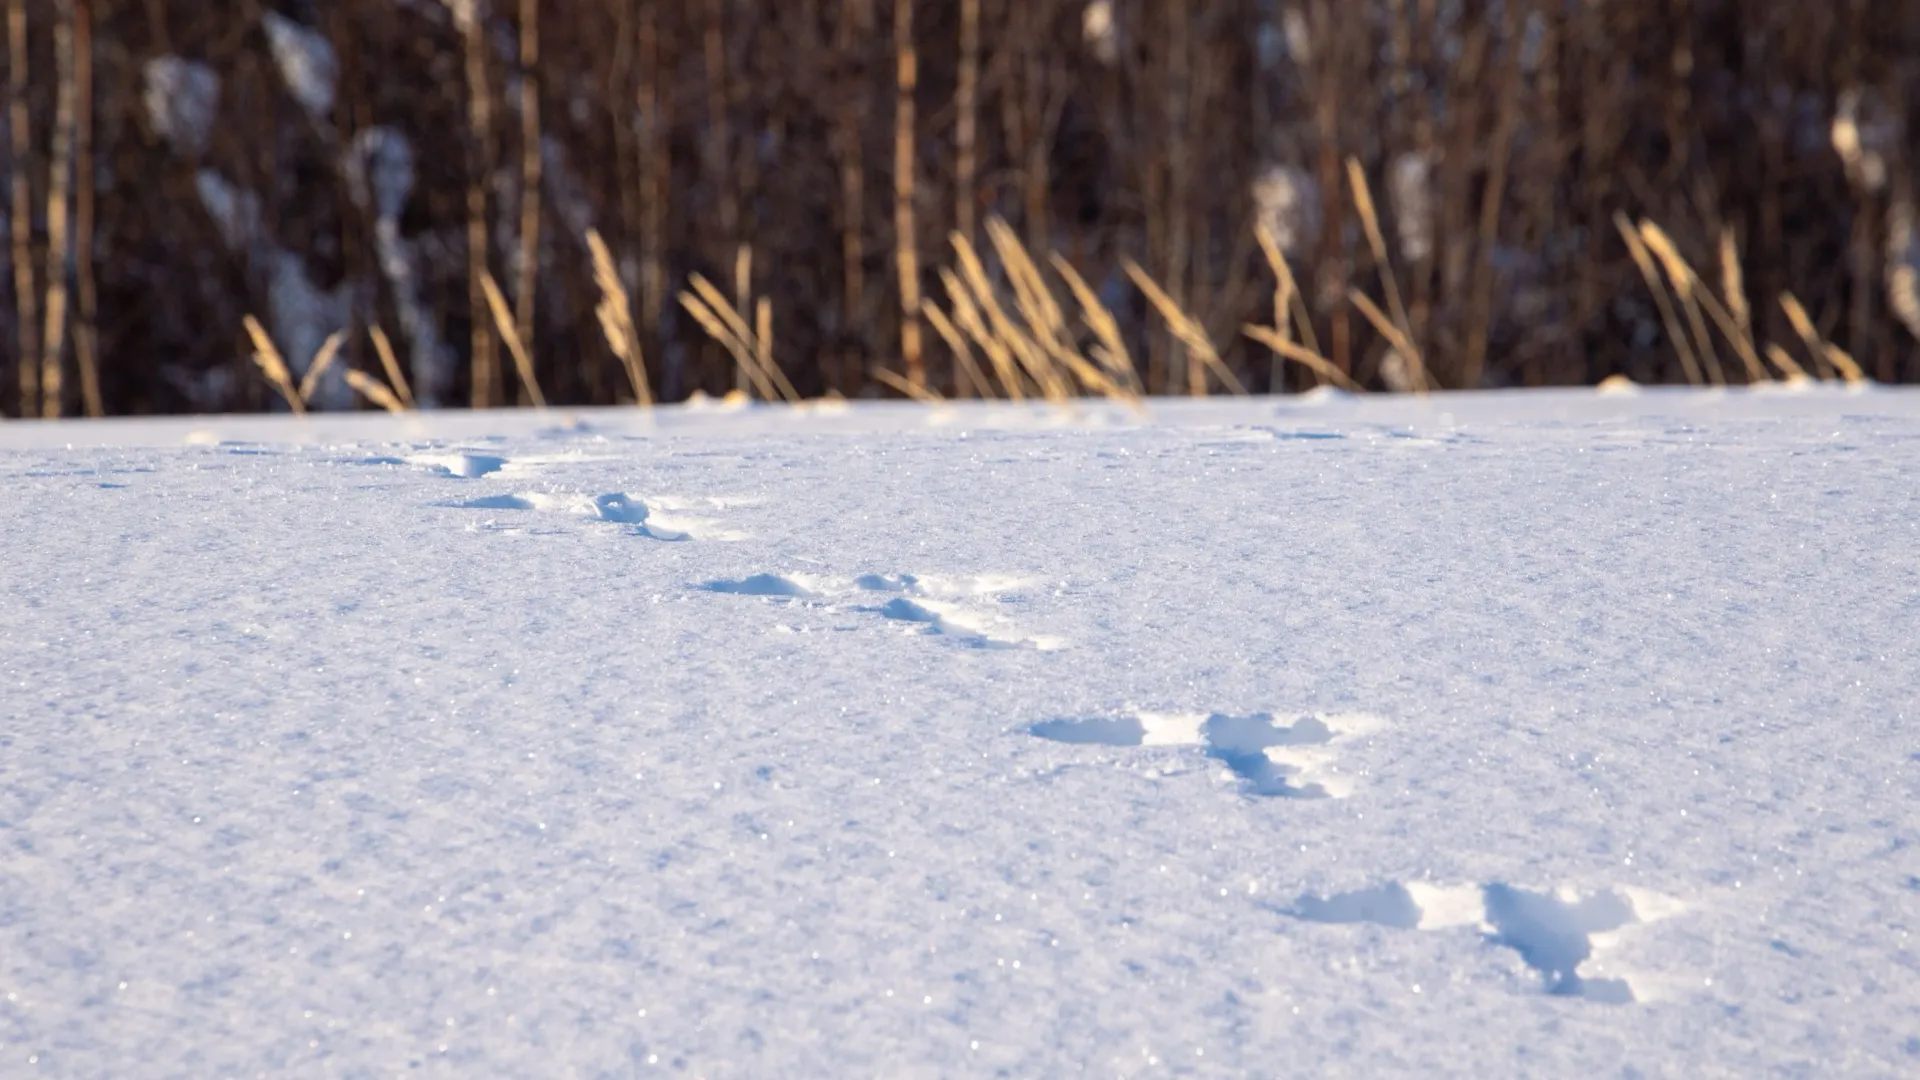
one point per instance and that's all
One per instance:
(469, 466)
(936, 605)
(913, 602)
(1562, 935)
(473, 464)
(762, 585)
(616, 507)
(1271, 758)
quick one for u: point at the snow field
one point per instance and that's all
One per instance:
(1522, 735)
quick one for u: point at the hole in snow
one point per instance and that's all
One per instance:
(1115, 731)
(466, 466)
(1554, 935)
(760, 585)
(1387, 905)
(499, 502)
(1270, 758)
(616, 507)
(1554, 932)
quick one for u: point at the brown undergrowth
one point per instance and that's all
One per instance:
(631, 200)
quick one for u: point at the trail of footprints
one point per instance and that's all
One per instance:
(658, 519)
(1562, 936)
(955, 608)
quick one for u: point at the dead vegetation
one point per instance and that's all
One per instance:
(1118, 197)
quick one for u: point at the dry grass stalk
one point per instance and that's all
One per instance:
(85, 331)
(1738, 323)
(724, 324)
(742, 276)
(1287, 295)
(503, 322)
(1680, 274)
(921, 394)
(1790, 370)
(1045, 323)
(1091, 377)
(1291, 304)
(1111, 352)
(322, 360)
(1803, 325)
(906, 243)
(1289, 349)
(742, 293)
(525, 287)
(760, 352)
(1903, 291)
(391, 364)
(1190, 333)
(967, 373)
(1032, 360)
(1843, 360)
(718, 329)
(1370, 221)
(26, 297)
(763, 342)
(616, 318)
(1734, 318)
(1284, 287)
(970, 291)
(763, 323)
(1903, 272)
(271, 364)
(742, 350)
(502, 315)
(485, 361)
(967, 314)
(1396, 337)
(375, 391)
(1112, 375)
(1637, 248)
(1743, 344)
(1732, 282)
(1030, 292)
(1828, 356)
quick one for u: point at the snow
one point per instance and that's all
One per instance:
(1519, 734)
(306, 61)
(182, 100)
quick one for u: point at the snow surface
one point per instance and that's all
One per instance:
(1554, 734)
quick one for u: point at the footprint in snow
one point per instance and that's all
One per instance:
(474, 464)
(1298, 760)
(1563, 935)
(762, 585)
(934, 605)
(467, 466)
(615, 507)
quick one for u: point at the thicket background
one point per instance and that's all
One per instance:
(316, 163)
